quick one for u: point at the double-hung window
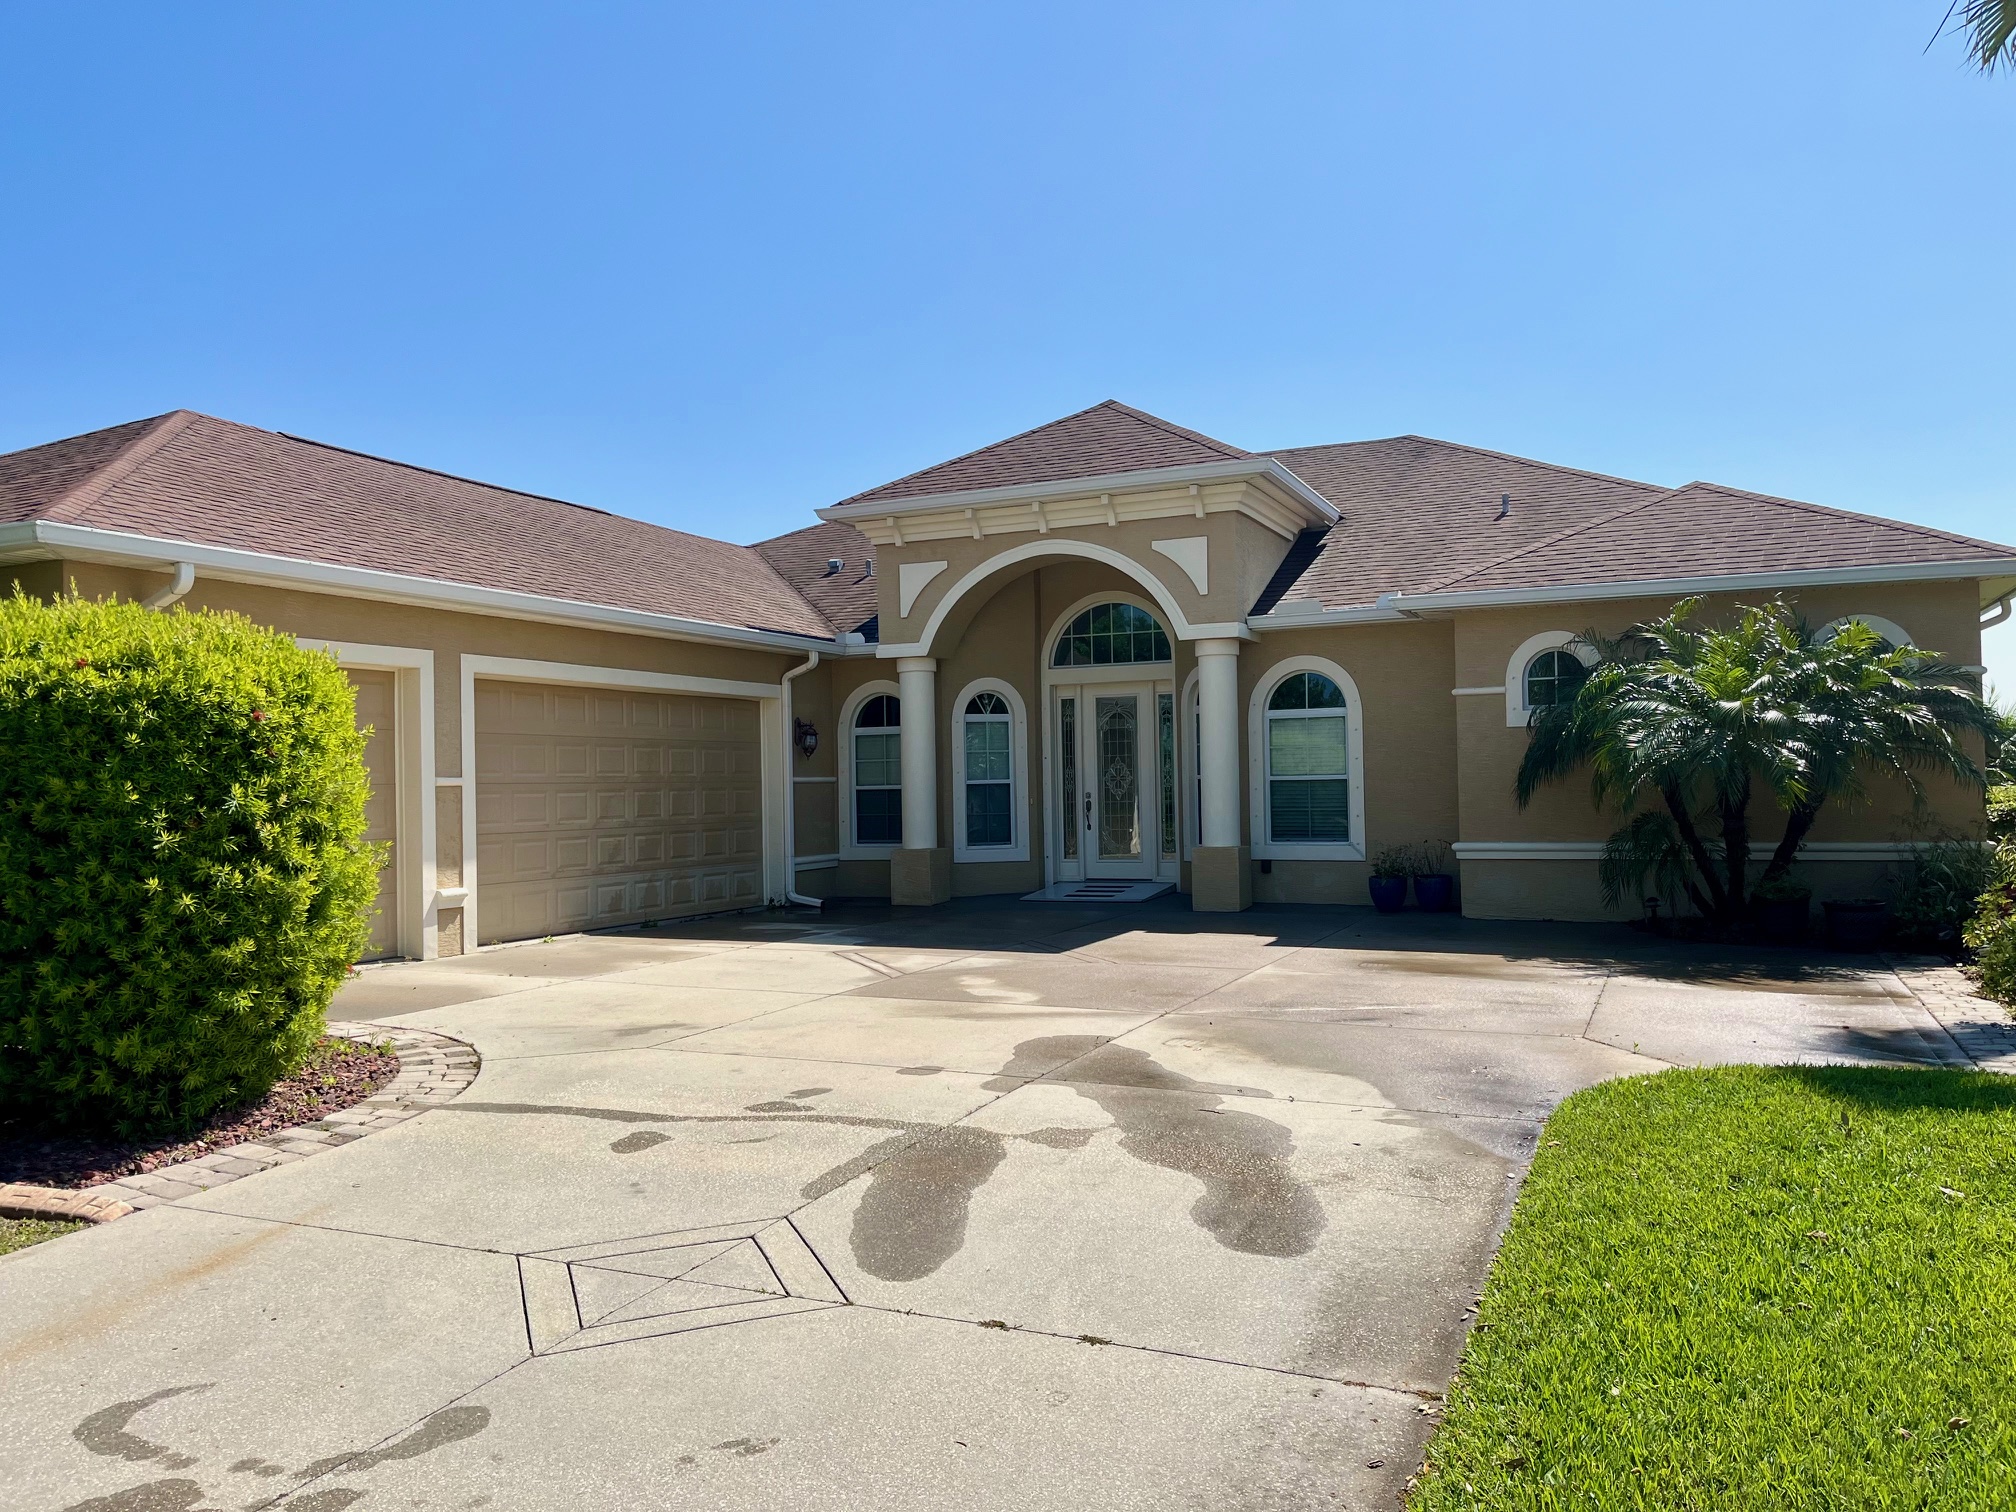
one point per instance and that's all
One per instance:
(989, 756)
(1308, 762)
(878, 771)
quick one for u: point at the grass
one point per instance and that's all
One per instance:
(19, 1233)
(1750, 1287)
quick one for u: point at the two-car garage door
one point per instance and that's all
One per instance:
(603, 806)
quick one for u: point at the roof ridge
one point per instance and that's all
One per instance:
(1438, 584)
(918, 472)
(435, 472)
(1172, 427)
(1931, 532)
(72, 503)
(1482, 451)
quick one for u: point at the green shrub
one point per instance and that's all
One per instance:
(2002, 812)
(1991, 934)
(1937, 894)
(183, 876)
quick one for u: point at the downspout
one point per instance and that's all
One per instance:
(2000, 610)
(181, 583)
(791, 792)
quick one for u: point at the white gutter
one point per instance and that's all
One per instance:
(20, 540)
(183, 581)
(1566, 593)
(1061, 488)
(791, 895)
(1279, 618)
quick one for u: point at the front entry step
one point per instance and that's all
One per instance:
(1099, 890)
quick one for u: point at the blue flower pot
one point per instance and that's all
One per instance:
(1389, 894)
(1435, 892)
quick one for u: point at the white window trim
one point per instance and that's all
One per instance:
(1889, 629)
(1517, 715)
(848, 849)
(1264, 847)
(1158, 671)
(1018, 785)
(413, 829)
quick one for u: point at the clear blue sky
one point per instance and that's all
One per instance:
(718, 265)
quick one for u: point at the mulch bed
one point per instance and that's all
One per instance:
(338, 1074)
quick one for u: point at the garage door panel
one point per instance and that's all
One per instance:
(597, 807)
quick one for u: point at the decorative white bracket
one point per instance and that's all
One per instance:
(1193, 555)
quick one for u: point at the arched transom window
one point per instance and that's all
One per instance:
(1308, 761)
(990, 771)
(1552, 677)
(1108, 635)
(878, 771)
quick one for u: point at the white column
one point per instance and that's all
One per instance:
(917, 679)
(1218, 712)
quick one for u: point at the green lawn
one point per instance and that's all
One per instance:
(1750, 1287)
(19, 1233)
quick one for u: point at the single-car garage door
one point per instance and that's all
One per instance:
(600, 806)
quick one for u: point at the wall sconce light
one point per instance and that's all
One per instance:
(805, 735)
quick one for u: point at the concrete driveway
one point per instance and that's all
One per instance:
(1023, 1206)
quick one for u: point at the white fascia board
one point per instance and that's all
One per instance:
(233, 565)
(1067, 488)
(1363, 614)
(1808, 577)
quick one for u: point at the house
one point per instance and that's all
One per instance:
(1107, 654)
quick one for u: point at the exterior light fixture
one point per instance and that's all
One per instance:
(805, 735)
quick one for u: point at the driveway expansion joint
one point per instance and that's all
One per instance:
(432, 1069)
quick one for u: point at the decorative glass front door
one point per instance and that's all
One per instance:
(1117, 784)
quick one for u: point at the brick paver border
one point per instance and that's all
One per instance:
(432, 1069)
(1981, 1028)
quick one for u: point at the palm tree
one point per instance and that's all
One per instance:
(1694, 721)
(1990, 28)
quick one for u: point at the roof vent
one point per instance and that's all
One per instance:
(833, 565)
(1504, 506)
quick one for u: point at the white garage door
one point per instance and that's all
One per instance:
(598, 806)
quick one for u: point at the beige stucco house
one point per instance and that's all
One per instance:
(1108, 656)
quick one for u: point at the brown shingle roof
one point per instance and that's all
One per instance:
(188, 477)
(1705, 530)
(1414, 510)
(1110, 437)
(846, 597)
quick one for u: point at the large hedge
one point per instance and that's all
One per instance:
(184, 880)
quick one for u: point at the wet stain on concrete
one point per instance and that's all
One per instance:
(809, 1092)
(1061, 1139)
(912, 1218)
(779, 1107)
(257, 1466)
(1251, 1202)
(154, 1496)
(918, 1070)
(335, 1499)
(1033, 1057)
(745, 1448)
(643, 1139)
(437, 1431)
(104, 1431)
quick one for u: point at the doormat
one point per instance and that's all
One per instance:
(1099, 891)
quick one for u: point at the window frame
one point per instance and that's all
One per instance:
(849, 848)
(1518, 715)
(1260, 823)
(1018, 767)
(1898, 637)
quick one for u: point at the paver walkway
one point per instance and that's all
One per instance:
(1017, 1206)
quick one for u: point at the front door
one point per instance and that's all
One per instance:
(1106, 781)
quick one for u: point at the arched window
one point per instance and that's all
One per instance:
(1108, 635)
(1894, 636)
(877, 739)
(989, 755)
(1308, 762)
(1552, 677)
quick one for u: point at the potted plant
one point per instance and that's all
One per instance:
(1857, 923)
(1391, 868)
(1435, 878)
(1783, 907)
